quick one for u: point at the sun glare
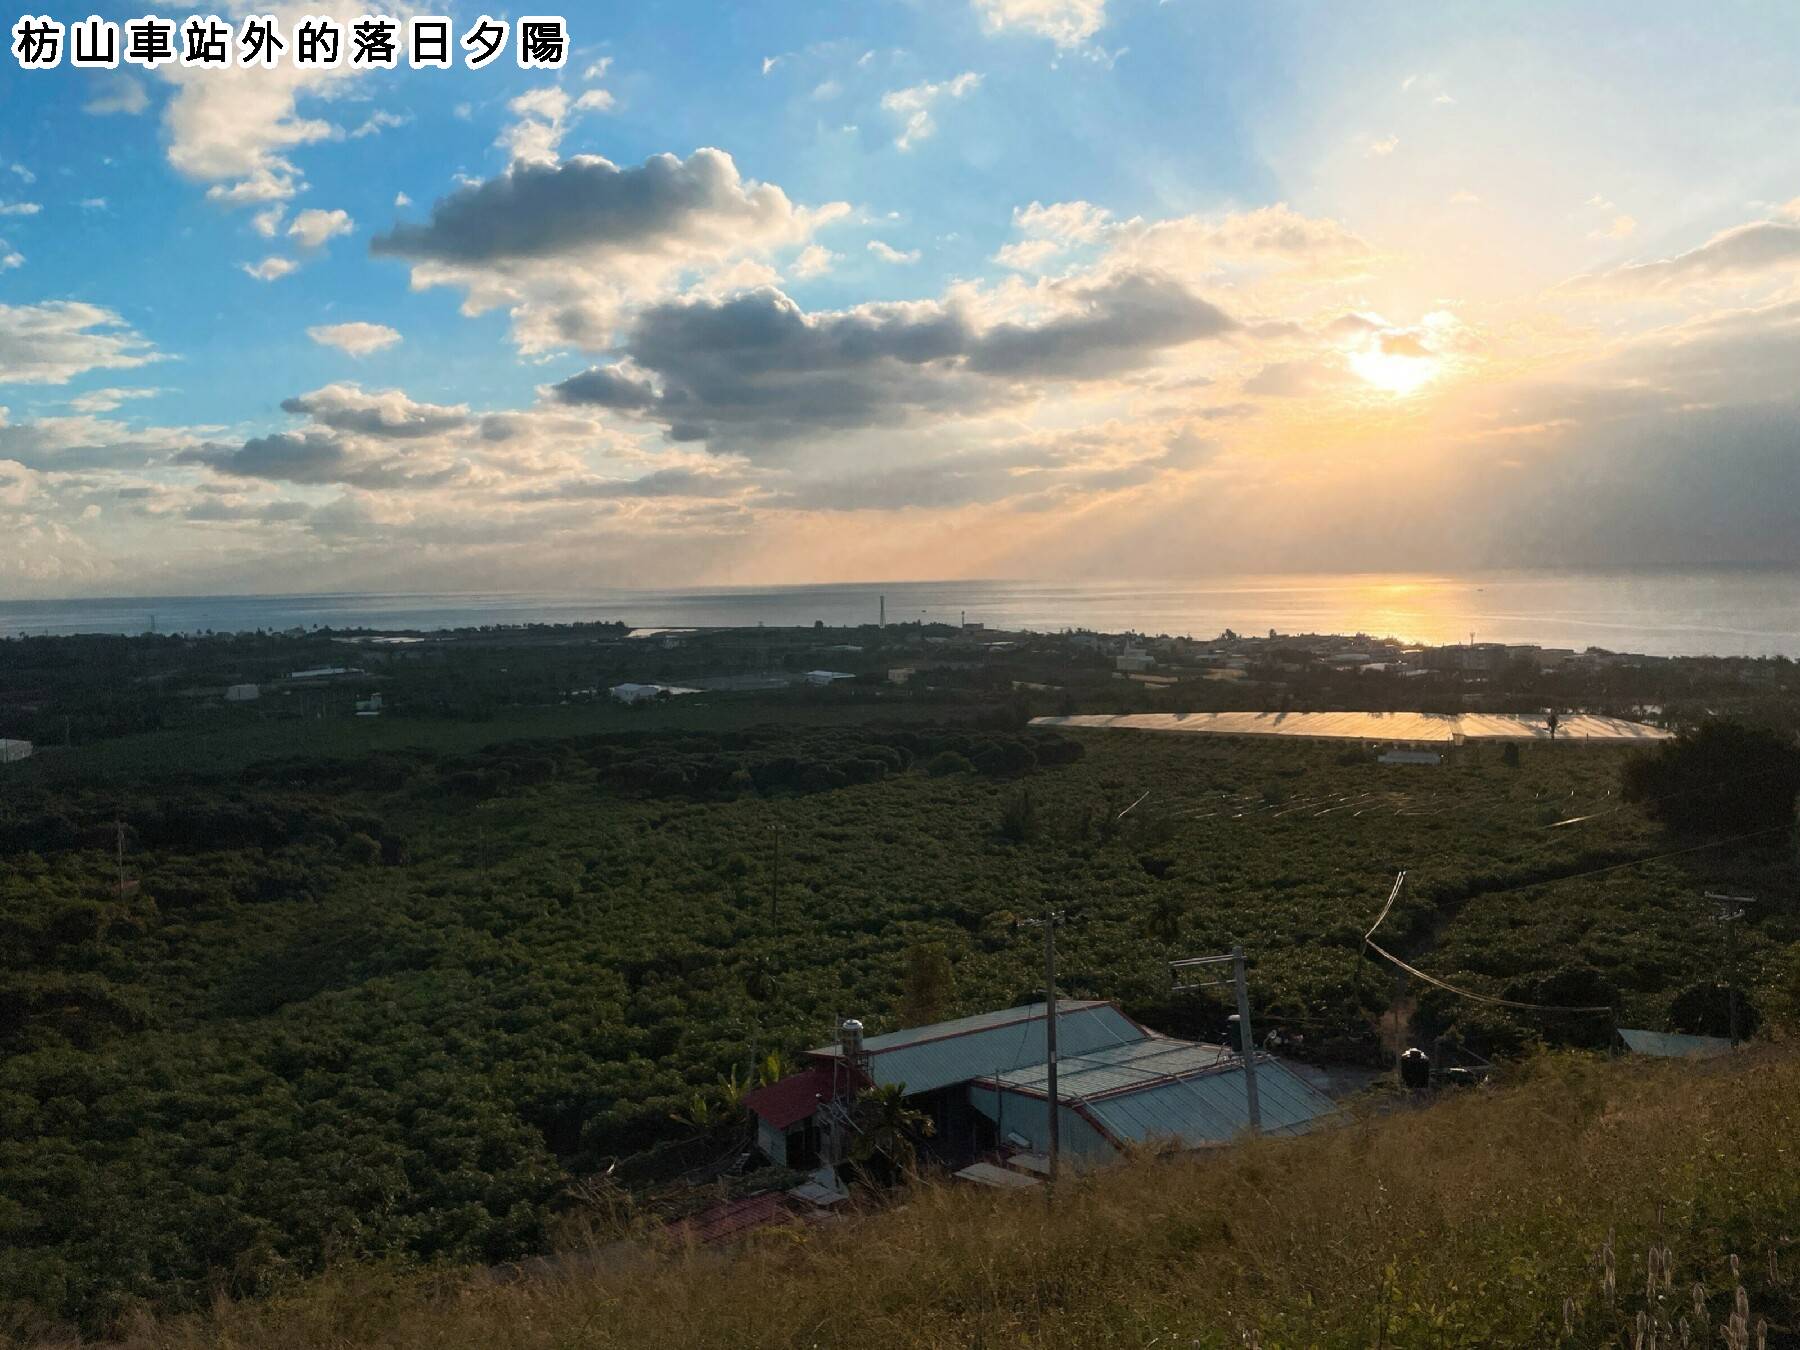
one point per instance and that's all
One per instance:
(1394, 372)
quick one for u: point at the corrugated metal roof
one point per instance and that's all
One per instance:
(986, 1174)
(931, 1057)
(1406, 727)
(792, 1099)
(1091, 1074)
(1673, 1044)
(1211, 1107)
(1160, 1088)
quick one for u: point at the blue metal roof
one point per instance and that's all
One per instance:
(1159, 1089)
(1212, 1107)
(1672, 1044)
(930, 1057)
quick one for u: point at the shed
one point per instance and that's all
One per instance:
(784, 1111)
(1157, 1091)
(946, 1053)
(14, 750)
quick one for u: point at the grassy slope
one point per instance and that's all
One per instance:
(1468, 1224)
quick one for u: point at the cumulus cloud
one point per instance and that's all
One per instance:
(19, 208)
(235, 128)
(271, 268)
(371, 439)
(52, 342)
(1744, 252)
(758, 370)
(312, 228)
(319, 457)
(379, 121)
(568, 247)
(388, 413)
(889, 254)
(813, 261)
(105, 400)
(1067, 23)
(913, 105)
(354, 339)
(116, 92)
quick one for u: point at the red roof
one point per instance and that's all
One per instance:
(735, 1218)
(786, 1103)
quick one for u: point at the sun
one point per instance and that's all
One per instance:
(1395, 373)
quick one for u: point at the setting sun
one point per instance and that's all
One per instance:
(1393, 372)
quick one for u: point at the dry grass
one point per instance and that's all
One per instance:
(1490, 1220)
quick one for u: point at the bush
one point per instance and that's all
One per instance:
(1724, 778)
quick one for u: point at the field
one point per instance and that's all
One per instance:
(389, 1006)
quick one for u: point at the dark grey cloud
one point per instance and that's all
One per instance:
(315, 457)
(756, 368)
(1121, 323)
(537, 211)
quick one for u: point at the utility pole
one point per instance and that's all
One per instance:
(1246, 1038)
(1052, 920)
(1729, 909)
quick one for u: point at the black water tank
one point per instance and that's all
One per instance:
(1415, 1069)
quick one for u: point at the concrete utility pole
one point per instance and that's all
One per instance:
(1246, 1041)
(1730, 909)
(1246, 1038)
(1052, 920)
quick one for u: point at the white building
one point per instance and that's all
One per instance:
(643, 693)
(369, 707)
(1133, 659)
(242, 693)
(827, 676)
(11, 750)
(635, 693)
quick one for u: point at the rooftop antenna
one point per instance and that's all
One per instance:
(1246, 1039)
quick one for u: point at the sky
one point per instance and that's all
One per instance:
(796, 292)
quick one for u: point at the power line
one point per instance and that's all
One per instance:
(1495, 1001)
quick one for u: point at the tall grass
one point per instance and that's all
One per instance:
(1584, 1204)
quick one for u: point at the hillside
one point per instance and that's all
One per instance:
(393, 1007)
(1482, 1221)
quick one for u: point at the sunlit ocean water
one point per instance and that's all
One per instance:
(1718, 611)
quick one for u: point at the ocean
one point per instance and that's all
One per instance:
(1736, 611)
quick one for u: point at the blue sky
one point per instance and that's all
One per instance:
(781, 292)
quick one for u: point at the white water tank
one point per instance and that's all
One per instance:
(850, 1037)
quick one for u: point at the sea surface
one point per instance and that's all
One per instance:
(1737, 611)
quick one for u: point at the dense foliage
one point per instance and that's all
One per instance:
(389, 1005)
(1529, 1217)
(1719, 778)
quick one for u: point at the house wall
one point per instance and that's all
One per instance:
(772, 1142)
(1028, 1116)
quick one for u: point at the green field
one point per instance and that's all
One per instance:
(390, 1005)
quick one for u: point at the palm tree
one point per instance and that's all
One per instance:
(888, 1126)
(773, 1068)
(1163, 922)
